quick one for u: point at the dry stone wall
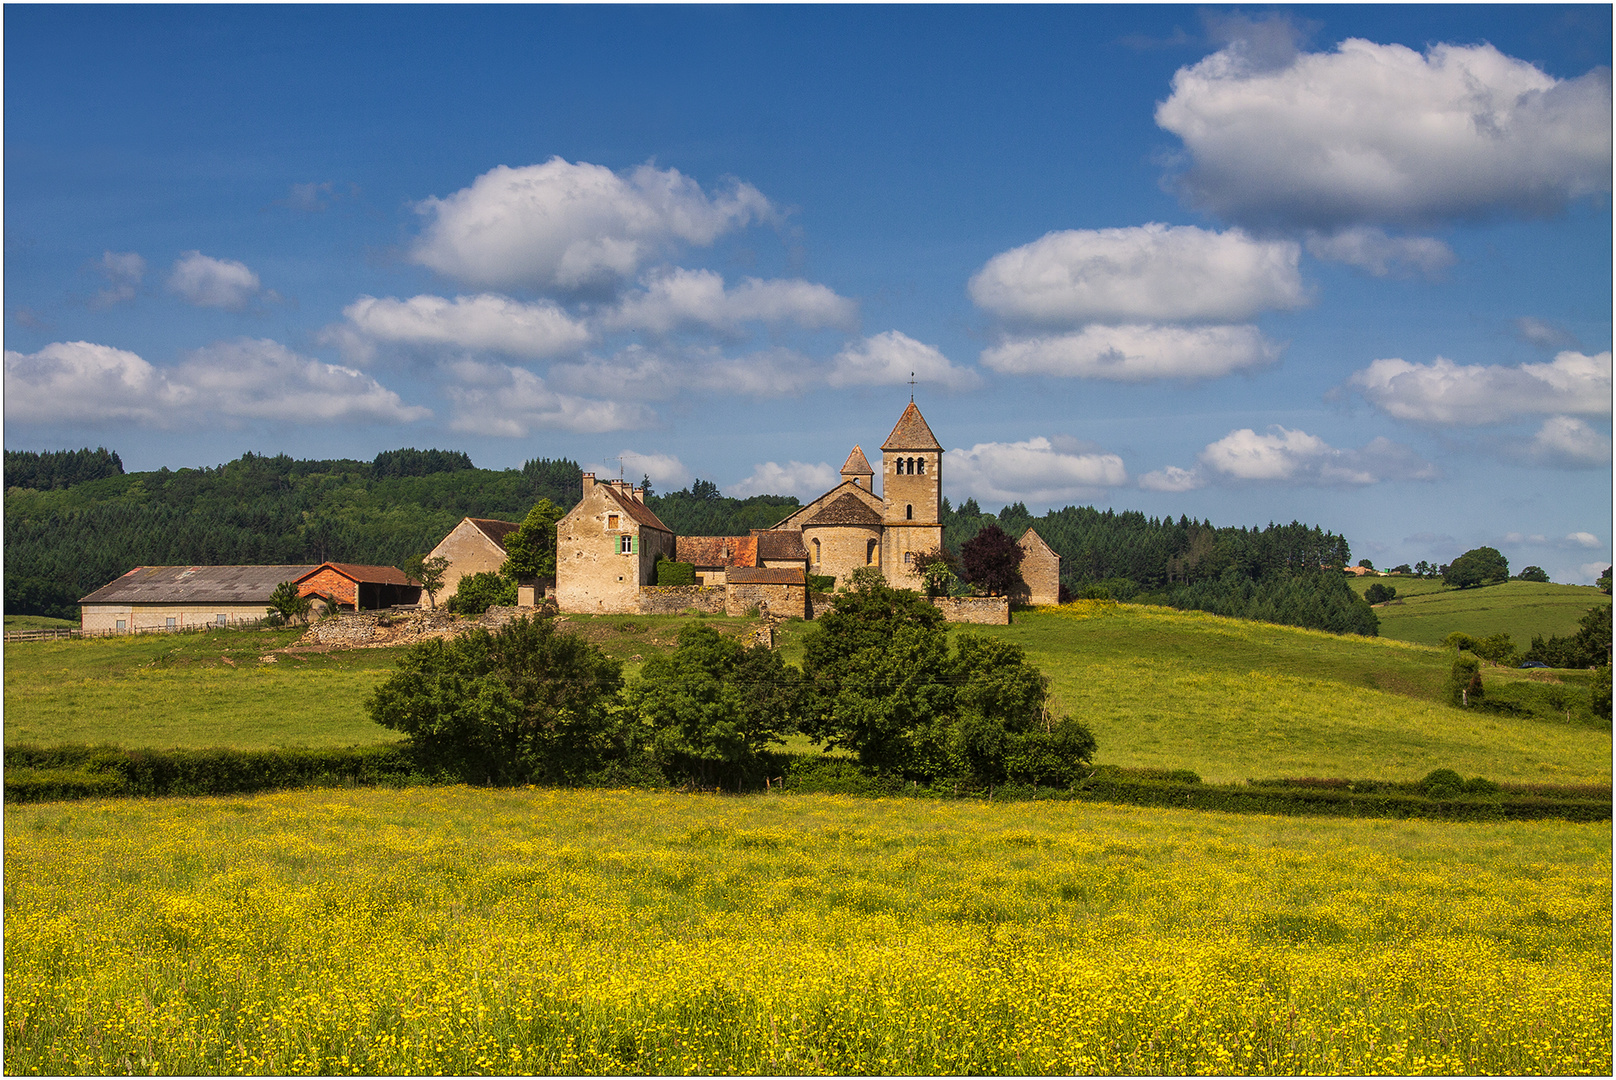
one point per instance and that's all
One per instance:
(677, 599)
(986, 610)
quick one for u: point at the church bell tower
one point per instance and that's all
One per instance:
(912, 496)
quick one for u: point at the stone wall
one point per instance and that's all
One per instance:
(988, 610)
(777, 601)
(677, 599)
(345, 630)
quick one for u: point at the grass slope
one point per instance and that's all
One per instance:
(39, 622)
(467, 931)
(1230, 699)
(1428, 611)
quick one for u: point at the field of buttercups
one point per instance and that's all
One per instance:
(472, 931)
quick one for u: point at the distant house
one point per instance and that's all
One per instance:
(184, 597)
(360, 588)
(475, 546)
(1040, 570)
(606, 549)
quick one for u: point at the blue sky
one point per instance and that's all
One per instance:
(1348, 265)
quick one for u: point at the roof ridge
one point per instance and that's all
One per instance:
(911, 432)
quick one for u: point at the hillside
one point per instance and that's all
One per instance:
(1426, 611)
(1229, 699)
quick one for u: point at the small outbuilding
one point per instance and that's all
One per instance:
(360, 588)
(184, 597)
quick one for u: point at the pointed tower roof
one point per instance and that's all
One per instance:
(857, 464)
(911, 433)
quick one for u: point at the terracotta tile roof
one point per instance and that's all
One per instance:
(757, 575)
(374, 575)
(779, 544)
(196, 585)
(636, 509)
(496, 531)
(716, 550)
(857, 464)
(847, 510)
(911, 433)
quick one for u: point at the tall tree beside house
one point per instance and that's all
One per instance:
(530, 551)
(286, 604)
(429, 572)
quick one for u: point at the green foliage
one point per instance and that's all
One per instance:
(530, 551)
(1464, 681)
(1599, 694)
(700, 510)
(937, 570)
(1320, 600)
(413, 462)
(1534, 573)
(428, 571)
(1478, 566)
(711, 706)
(1604, 581)
(53, 470)
(1442, 784)
(286, 604)
(478, 592)
(990, 561)
(1379, 594)
(1366, 564)
(1588, 647)
(524, 703)
(669, 572)
(63, 544)
(821, 583)
(1495, 648)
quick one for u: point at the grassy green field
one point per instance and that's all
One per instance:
(1231, 700)
(471, 931)
(38, 622)
(1428, 611)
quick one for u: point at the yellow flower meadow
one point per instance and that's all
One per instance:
(459, 930)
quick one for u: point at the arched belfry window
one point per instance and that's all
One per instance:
(909, 512)
(920, 466)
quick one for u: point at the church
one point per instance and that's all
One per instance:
(608, 545)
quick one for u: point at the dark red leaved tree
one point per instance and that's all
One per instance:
(991, 562)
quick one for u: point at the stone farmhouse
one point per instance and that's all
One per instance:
(607, 546)
(474, 546)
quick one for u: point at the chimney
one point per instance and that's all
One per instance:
(589, 481)
(639, 494)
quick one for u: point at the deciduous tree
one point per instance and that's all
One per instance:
(530, 551)
(428, 572)
(991, 562)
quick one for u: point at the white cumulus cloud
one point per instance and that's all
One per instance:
(1443, 392)
(1371, 250)
(569, 225)
(228, 382)
(893, 357)
(677, 297)
(208, 282)
(1381, 133)
(797, 478)
(1036, 470)
(1568, 441)
(496, 399)
(486, 321)
(651, 375)
(667, 472)
(1136, 353)
(1290, 456)
(1145, 273)
(123, 271)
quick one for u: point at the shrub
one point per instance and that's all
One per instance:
(710, 707)
(1599, 693)
(669, 572)
(521, 704)
(285, 604)
(1534, 573)
(478, 592)
(1442, 784)
(1464, 681)
(1379, 594)
(821, 583)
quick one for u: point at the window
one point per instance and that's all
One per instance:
(628, 545)
(816, 551)
(170, 623)
(611, 521)
(908, 557)
(920, 464)
(120, 625)
(871, 553)
(909, 512)
(219, 620)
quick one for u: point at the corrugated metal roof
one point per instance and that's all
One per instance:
(911, 433)
(196, 585)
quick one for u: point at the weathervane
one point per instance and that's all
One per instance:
(911, 388)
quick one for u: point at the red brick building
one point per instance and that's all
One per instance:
(360, 588)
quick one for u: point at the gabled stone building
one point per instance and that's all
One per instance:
(606, 549)
(474, 546)
(1040, 570)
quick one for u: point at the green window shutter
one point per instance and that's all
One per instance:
(634, 545)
